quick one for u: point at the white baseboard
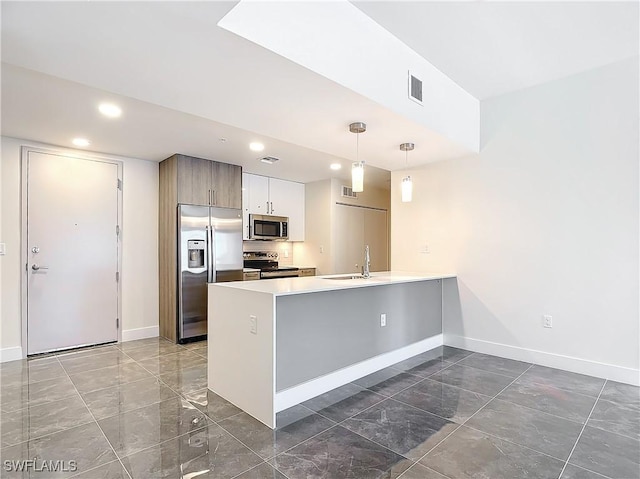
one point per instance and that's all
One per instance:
(551, 360)
(10, 354)
(297, 394)
(140, 333)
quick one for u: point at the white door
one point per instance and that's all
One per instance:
(356, 227)
(349, 239)
(376, 235)
(72, 251)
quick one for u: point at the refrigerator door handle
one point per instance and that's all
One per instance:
(212, 255)
(207, 236)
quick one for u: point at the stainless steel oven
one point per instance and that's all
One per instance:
(267, 263)
(267, 227)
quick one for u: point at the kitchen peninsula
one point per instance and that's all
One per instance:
(276, 343)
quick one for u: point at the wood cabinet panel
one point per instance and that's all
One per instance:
(226, 181)
(307, 272)
(184, 179)
(167, 247)
(194, 180)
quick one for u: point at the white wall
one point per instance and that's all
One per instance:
(321, 228)
(317, 235)
(363, 56)
(543, 221)
(139, 242)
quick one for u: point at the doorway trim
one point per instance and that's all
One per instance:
(24, 258)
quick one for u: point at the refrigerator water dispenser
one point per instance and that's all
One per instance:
(195, 253)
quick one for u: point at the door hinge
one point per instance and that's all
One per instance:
(117, 276)
(119, 184)
(117, 322)
(117, 230)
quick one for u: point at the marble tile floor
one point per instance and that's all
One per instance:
(141, 410)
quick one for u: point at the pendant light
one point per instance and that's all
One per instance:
(407, 184)
(357, 169)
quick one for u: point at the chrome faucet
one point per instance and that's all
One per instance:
(367, 263)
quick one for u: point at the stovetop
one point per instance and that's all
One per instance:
(265, 261)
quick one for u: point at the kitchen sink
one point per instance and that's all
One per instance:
(350, 276)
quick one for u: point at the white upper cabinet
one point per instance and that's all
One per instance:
(271, 196)
(258, 187)
(286, 198)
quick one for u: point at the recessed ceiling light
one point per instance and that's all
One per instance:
(110, 110)
(82, 142)
(335, 166)
(256, 146)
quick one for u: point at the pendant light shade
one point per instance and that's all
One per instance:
(357, 177)
(407, 189)
(357, 169)
(407, 184)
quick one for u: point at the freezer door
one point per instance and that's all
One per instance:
(226, 244)
(193, 265)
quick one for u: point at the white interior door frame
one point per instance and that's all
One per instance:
(24, 258)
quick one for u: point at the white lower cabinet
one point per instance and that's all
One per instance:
(271, 196)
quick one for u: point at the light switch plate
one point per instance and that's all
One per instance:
(253, 324)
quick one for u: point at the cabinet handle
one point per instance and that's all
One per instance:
(267, 207)
(272, 207)
(213, 197)
(210, 197)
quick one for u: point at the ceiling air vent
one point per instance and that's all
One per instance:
(347, 192)
(269, 160)
(415, 89)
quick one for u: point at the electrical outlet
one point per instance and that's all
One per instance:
(383, 320)
(547, 321)
(253, 324)
(2, 249)
(321, 249)
(286, 253)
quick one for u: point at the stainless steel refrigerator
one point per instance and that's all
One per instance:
(210, 242)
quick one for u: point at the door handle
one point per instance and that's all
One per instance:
(209, 255)
(36, 267)
(212, 248)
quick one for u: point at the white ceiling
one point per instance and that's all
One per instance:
(183, 82)
(45, 108)
(491, 48)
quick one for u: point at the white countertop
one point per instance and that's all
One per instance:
(250, 270)
(313, 284)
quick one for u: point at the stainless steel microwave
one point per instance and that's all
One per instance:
(267, 227)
